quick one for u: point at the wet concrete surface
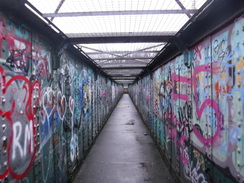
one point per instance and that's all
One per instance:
(123, 153)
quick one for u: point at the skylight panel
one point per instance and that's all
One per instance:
(114, 34)
(133, 24)
(124, 81)
(122, 46)
(97, 48)
(120, 61)
(92, 19)
(116, 5)
(127, 55)
(193, 4)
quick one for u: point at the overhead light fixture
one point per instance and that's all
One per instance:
(42, 18)
(37, 14)
(77, 47)
(54, 28)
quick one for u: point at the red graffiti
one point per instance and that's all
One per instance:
(30, 145)
(19, 50)
(197, 53)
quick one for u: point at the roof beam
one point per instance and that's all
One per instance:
(113, 13)
(58, 8)
(120, 39)
(126, 54)
(183, 7)
(143, 49)
(114, 34)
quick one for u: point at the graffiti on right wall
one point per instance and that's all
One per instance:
(196, 108)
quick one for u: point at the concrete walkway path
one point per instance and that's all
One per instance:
(123, 153)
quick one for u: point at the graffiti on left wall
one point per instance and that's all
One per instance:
(47, 116)
(16, 47)
(18, 129)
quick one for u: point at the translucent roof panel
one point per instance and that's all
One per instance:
(106, 19)
(122, 54)
(114, 55)
(116, 5)
(128, 47)
(119, 25)
(138, 16)
(124, 81)
(114, 34)
(49, 6)
(192, 4)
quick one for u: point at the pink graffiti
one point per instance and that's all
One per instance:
(199, 110)
(180, 79)
(208, 102)
(184, 159)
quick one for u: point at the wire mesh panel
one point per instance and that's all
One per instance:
(118, 33)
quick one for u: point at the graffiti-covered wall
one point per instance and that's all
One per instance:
(48, 118)
(194, 107)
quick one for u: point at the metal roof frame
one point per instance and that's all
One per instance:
(201, 24)
(113, 13)
(58, 8)
(121, 39)
(116, 34)
(183, 8)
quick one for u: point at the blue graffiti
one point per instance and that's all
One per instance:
(233, 137)
(238, 89)
(212, 118)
